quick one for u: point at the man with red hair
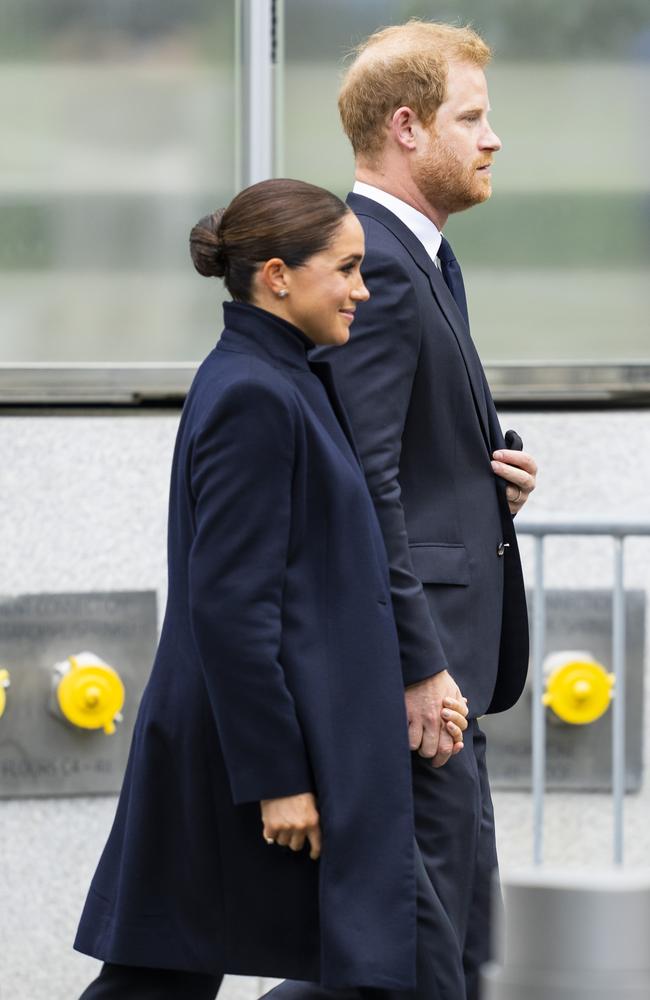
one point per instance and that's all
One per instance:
(414, 104)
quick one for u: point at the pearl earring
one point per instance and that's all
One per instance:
(283, 294)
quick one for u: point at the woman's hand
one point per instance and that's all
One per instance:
(454, 714)
(292, 820)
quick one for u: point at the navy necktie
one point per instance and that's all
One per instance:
(453, 276)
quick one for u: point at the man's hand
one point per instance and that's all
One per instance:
(519, 469)
(431, 734)
(290, 821)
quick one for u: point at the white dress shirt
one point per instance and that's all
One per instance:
(423, 228)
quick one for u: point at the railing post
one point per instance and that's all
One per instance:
(618, 709)
(618, 531)
(539, 710)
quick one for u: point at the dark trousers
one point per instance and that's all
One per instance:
(126, 982)
(454, 825)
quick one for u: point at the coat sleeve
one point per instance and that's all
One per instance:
(374, 374)
(241, 475)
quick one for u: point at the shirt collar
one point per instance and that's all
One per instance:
(423, 228)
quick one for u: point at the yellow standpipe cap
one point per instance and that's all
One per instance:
(91, 695)
(4, 683)
(579, 691)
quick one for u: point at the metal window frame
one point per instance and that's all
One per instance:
(258, 93)
(513, 384)
(256, 19)
(259, 40)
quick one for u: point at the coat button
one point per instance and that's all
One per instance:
(501, 548)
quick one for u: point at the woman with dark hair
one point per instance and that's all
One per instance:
(276, 686)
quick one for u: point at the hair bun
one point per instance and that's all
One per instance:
(206, 246)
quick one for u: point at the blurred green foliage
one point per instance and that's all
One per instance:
(596, 230)
(517, 29)
(83, 257)
(53, 30)
(609, 230)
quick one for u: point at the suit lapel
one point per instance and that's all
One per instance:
(494, 427)
(457, 323)
(366, 206)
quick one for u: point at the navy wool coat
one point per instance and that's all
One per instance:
(277, 673)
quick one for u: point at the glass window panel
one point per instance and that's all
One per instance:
(118, 130)
(557, 261)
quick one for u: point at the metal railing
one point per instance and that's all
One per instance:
(618, 532)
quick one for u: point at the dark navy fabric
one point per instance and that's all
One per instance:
(277, 673)
(454, 824)
(453, 276)
(425, 427)
(125, 982)
(439, 961)
(456, 862)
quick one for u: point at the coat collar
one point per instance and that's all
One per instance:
(250, 330)
(253, 330)
(361, 205)
(323, 372)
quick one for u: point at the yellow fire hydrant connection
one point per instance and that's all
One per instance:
(578, 688)
(5, 681)
(90, 693)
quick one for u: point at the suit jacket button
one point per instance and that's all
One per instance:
(501, 548)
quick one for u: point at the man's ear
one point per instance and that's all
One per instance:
(404, 127)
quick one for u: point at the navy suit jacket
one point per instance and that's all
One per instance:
(277, 672)
(425, 426)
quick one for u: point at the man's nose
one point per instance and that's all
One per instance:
(490, 140)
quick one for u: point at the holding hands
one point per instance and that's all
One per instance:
(437, 717)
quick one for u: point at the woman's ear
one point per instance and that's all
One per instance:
(273, 276)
